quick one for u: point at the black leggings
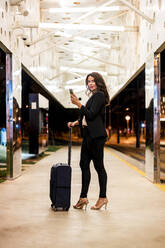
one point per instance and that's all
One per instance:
(93, 149)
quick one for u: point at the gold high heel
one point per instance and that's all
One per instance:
(81, 203)
(100, 203)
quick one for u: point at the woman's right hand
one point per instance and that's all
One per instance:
(70, 124)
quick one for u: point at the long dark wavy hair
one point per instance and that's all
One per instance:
(101, 86)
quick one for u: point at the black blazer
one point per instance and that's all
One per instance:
(94, 112)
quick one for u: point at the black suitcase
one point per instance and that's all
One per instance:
(60, 182)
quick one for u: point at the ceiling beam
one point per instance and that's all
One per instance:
(113, 17)
(130, 6)
(71, 38)
(86, 15)
(83, 27)
(59, 74)
(91, 12)
(59, 43)
(48, 4)
(68, 50)
(91, 57)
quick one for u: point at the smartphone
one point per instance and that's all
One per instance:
(71, 91)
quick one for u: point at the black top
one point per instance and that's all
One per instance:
(94, 112)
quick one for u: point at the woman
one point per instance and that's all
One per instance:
(92, 121)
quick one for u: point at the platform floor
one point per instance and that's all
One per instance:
(135, 216)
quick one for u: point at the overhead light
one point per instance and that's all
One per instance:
(78, 10)
(67, 10)
(65, 68)
(81, 26)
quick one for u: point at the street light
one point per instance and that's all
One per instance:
(127, 117)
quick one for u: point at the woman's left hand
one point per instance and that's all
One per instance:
(75, 100)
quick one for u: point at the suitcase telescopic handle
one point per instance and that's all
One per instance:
(69, 146)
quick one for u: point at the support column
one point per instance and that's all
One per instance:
(38, 131)
(118, 120)
(118, 127)
(152, 94)
(13, 116)
(138, 128)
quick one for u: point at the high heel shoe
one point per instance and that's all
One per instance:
(100, 203)
(81, 203)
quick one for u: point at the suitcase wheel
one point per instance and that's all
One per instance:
(53, 207)
(58, 209)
